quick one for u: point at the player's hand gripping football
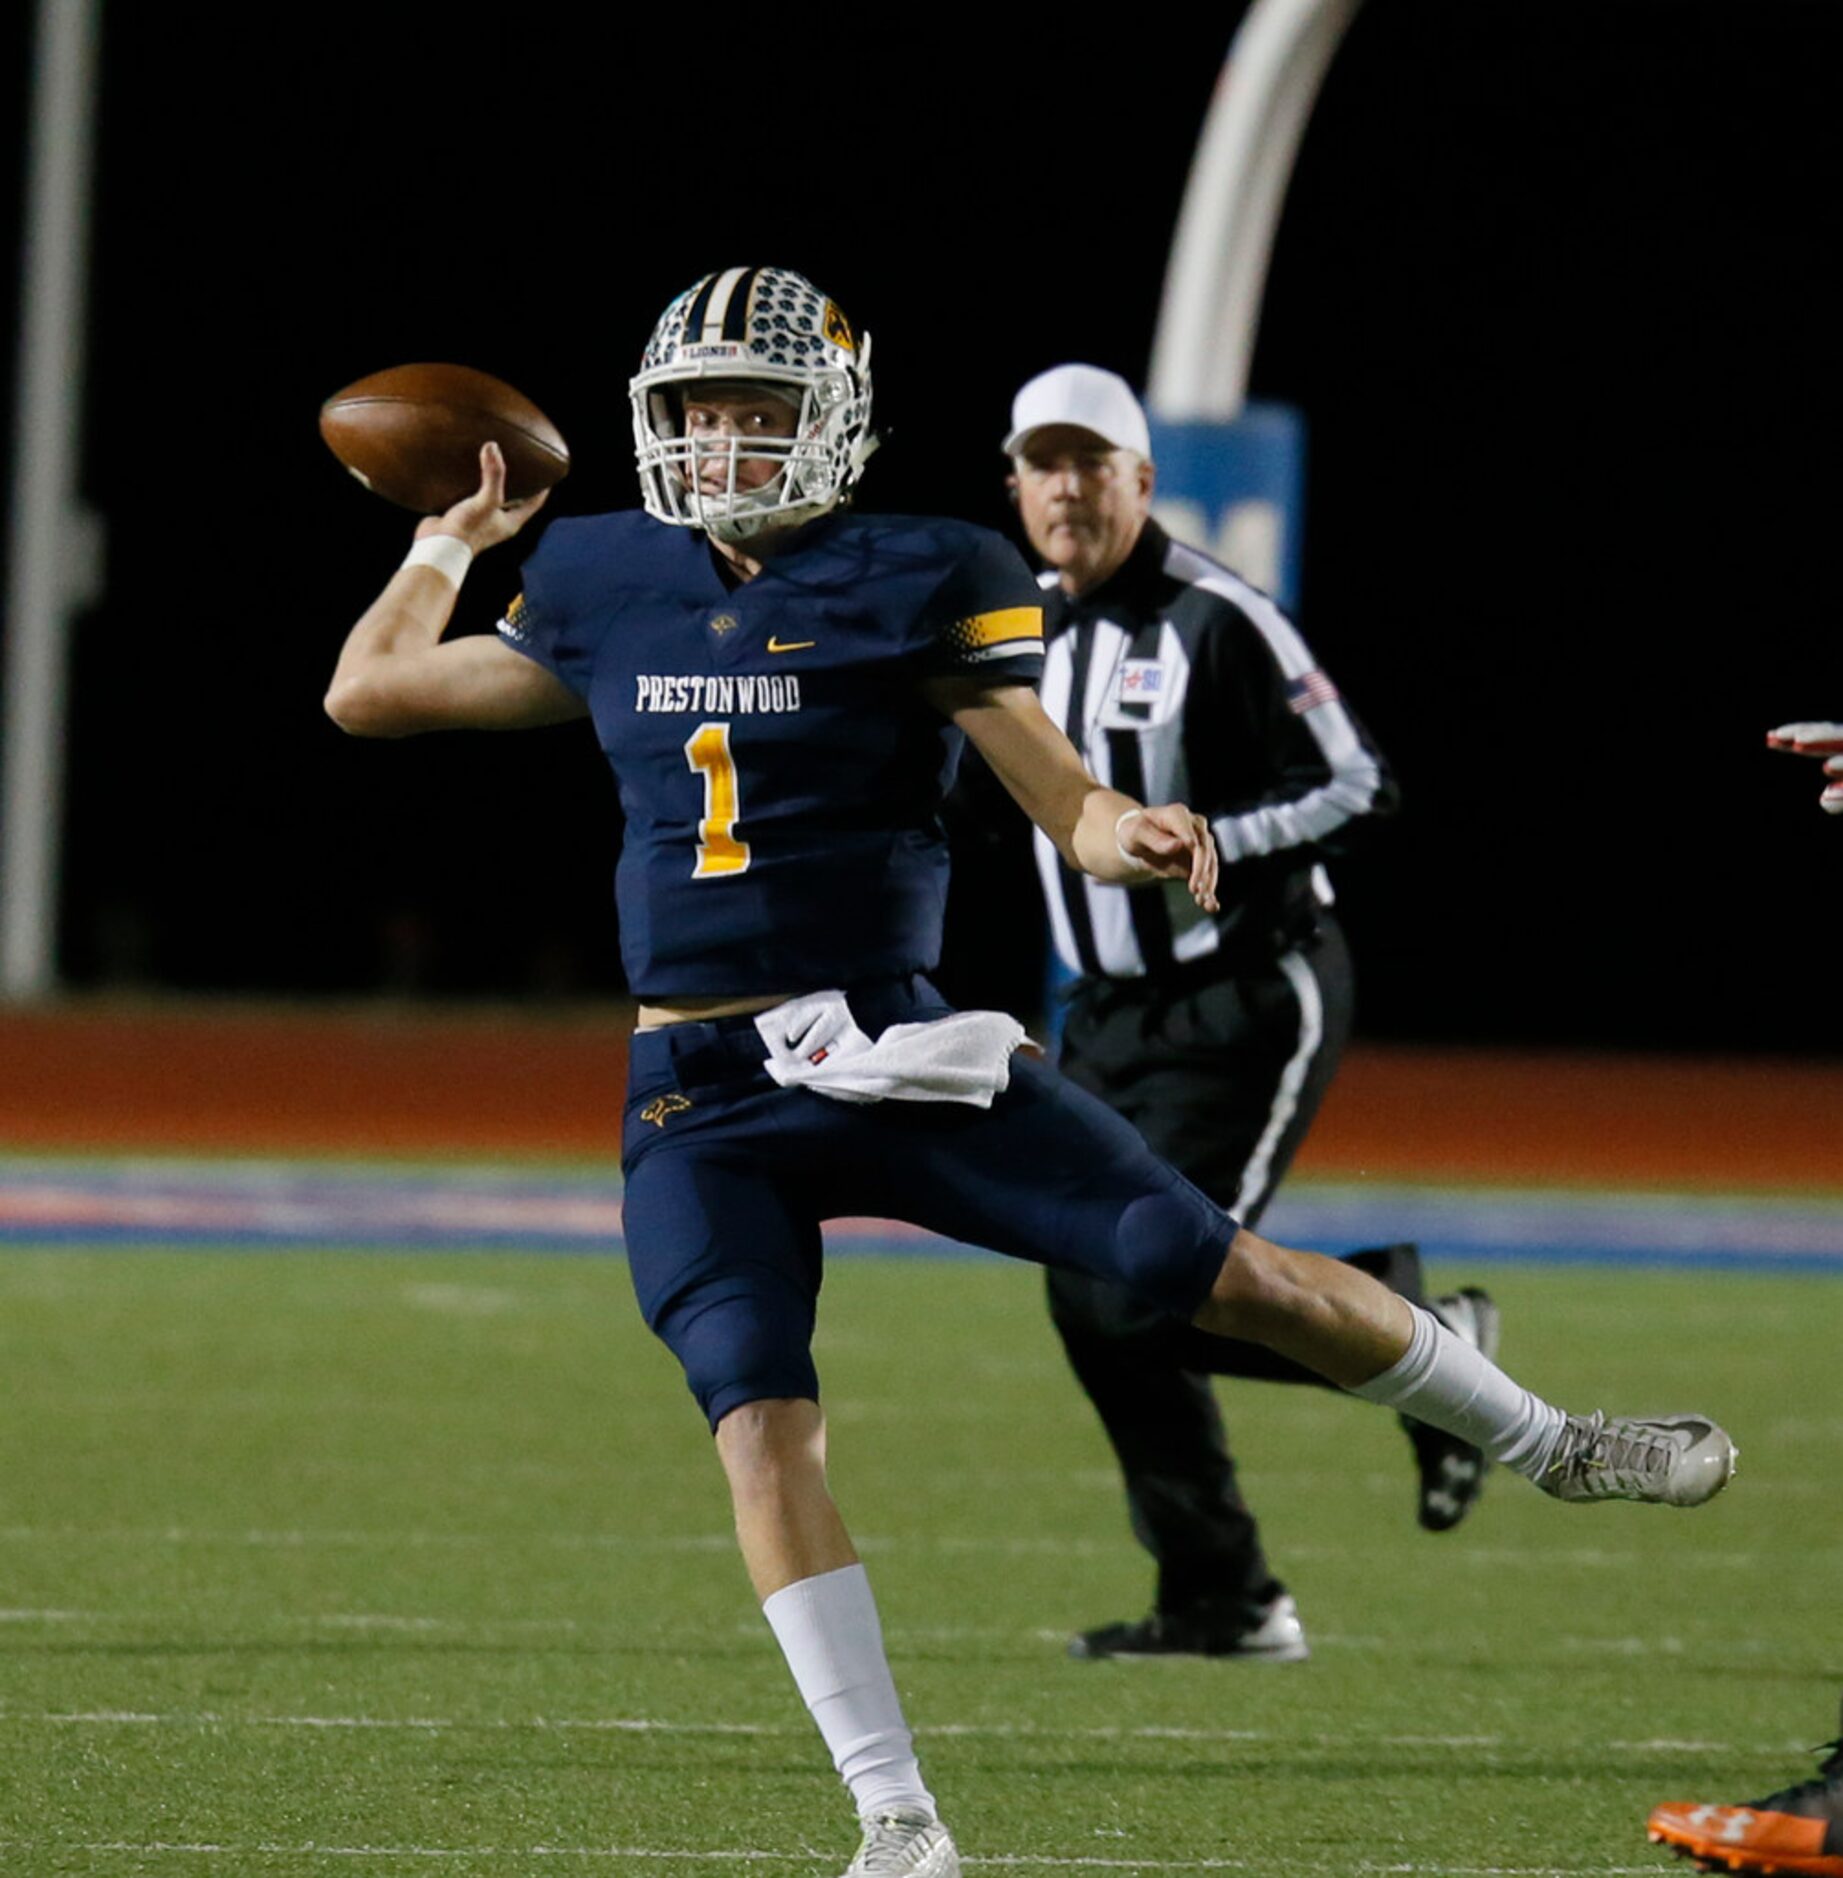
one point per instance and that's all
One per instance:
(1812, 739)
(1174, 843)
(485, 518)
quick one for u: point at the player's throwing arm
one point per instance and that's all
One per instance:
(397, 675)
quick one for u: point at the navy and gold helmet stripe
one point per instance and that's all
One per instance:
(719, 309)
(736, 315)
(700, 303)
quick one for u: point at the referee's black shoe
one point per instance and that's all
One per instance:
(1452, 1472)
(1262, 1633)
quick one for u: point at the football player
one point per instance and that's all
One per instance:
(1812, 738)
(782, 687)
(1798, 1829)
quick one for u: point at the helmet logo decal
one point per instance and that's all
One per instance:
(838, 328)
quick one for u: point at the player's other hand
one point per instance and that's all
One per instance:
(485, 518)
(1175, 843)
(1815, 739)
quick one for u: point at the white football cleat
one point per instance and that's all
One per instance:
(905, 1845)
(1670, 1460)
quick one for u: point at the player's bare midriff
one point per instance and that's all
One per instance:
(696, 1010)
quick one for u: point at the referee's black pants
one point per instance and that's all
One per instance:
(1222, 1077)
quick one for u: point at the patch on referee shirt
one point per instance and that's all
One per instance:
(1141, 680)
(1308, 693)
(1142, 694)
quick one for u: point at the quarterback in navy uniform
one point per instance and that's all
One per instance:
(782, 688)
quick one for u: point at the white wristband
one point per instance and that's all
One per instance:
(1132, 860)
(448, 555)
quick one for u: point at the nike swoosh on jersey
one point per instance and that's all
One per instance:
(792, 645)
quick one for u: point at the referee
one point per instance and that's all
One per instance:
(1215, 1035)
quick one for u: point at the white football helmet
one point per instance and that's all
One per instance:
(756, 326)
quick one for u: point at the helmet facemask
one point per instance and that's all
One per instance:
(761, 330)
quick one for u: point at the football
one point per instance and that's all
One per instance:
(413, 435)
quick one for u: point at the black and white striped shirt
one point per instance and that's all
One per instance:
(1177, 681)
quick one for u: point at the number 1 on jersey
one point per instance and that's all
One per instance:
(719, 852)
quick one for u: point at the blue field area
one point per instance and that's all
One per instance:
(279, 1205)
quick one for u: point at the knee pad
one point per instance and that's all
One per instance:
(1169, 1246)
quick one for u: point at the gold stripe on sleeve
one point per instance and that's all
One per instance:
(997, 628)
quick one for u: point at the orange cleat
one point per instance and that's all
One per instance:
(1798, 1830)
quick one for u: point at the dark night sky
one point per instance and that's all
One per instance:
(1551, 288)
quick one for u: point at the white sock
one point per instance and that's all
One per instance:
(828, 1631)
(1443, 1381)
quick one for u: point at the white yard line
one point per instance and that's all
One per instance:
(750, 1631)
(1593, 1558)
(1012, 1861)
(198, 1849)
(625, 1724)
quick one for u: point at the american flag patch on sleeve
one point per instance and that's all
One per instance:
(1307, 693)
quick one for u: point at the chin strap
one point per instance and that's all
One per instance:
(867, 445)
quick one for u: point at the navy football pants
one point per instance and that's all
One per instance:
(728, 1176)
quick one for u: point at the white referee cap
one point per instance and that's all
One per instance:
(1087, 398)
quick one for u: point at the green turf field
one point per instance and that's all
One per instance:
(402, 1563)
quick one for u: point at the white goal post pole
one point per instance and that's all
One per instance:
(1218, 269)
(54, 545)
(1231, 476)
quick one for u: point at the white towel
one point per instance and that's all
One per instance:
(814, 1043)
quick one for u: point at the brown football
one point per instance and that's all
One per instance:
(413, 435)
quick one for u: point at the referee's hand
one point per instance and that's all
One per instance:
(1814, 739)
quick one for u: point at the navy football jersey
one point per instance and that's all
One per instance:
(780, 771)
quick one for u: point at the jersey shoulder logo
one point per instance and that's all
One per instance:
(661, 1107)
(723, 624)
